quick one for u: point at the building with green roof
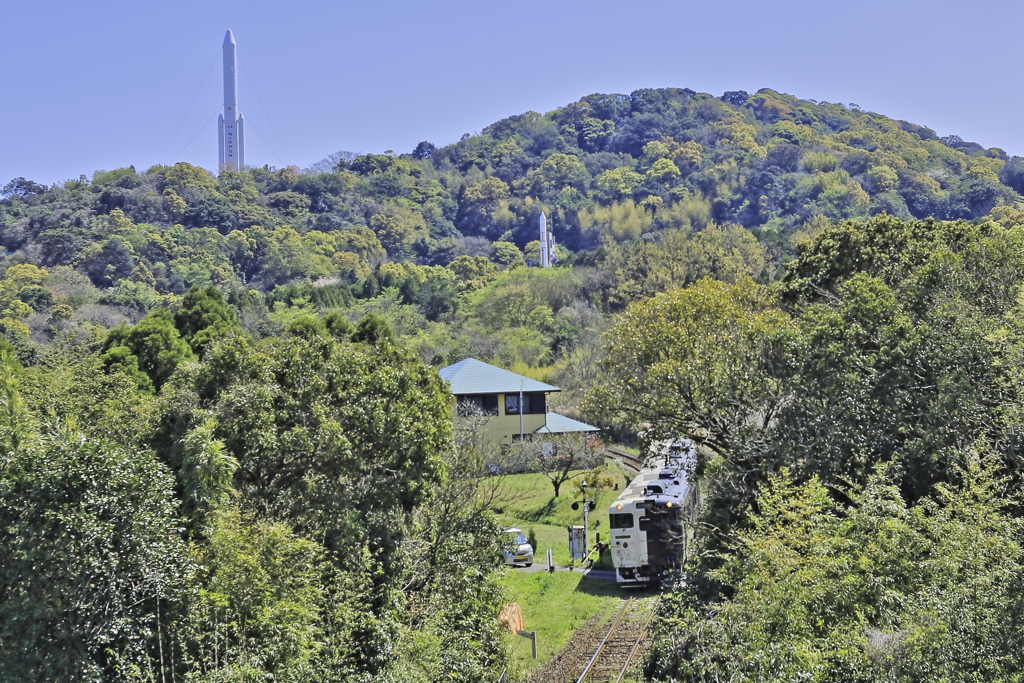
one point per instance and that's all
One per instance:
(515, 406)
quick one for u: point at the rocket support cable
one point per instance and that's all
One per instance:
(214, 62)
(215, 112)
(251, 125)
(267, 114)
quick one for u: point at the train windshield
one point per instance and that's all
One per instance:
(620, 521)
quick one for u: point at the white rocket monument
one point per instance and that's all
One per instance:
(230, 124)
(547, 243)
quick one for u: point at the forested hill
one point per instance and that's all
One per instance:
(649, 191)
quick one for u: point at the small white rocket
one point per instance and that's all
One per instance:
(547, 243)
(231, 124)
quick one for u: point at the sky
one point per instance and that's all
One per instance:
(106, 84)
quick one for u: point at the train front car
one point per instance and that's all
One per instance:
(648, 521)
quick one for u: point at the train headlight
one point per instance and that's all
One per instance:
(668, 504)
(619, 506)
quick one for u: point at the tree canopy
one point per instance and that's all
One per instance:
(846, 413)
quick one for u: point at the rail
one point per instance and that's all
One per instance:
(628, 459)
(639, 640)
(616, 658)
(604, 641)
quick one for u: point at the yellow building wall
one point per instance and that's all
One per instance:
(503, 428)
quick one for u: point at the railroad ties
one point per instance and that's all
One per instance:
(629, 460)
(609, 651)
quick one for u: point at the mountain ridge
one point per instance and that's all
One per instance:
(623, 178)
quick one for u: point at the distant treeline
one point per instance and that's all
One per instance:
(645, 192)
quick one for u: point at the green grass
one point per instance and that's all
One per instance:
(531, 497)
(554, 605)
(529, 503)
(632, 450)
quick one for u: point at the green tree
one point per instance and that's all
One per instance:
(479, 203)
(361, 241)
(875, 591)
(472, 272)
(285, 257)
(663, 171)
(339, 440)
(207, 472)
(559, 171)
(184, 177)
(155, 345)
(709, 361)
(91, 561)
(119, 360)
(451, 580)
(509, 299)
(509, 160)
(398, 228)
(108, 262)
(617, 223)
(105, 406)
(203, 316)
(318, 426)
(867, 387)
(903, 360)
(259, 612)
(726, 253)
(508, 255)
(617, 184)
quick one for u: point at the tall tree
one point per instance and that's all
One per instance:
(876, 590)
(154, 344)
(203, 316)
(710, 361)
(90, 558)
(325, 432)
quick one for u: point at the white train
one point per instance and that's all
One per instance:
(649, 521)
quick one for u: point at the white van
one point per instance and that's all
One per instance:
(518, 551)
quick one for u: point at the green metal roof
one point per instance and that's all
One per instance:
(560, 424)
(473, 376)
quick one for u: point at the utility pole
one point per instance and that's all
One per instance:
(520, 411)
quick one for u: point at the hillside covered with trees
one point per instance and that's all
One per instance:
(225, 453)
(645, 192)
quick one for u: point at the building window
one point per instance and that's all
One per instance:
(533, 404)
(477, 404)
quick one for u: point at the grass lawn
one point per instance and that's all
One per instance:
(555, 605)
(529, 503)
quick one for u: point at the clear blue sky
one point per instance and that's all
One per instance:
(101, 85)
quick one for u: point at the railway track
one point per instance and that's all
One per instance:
(617, 652)
(628, 459)
(603, 653)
